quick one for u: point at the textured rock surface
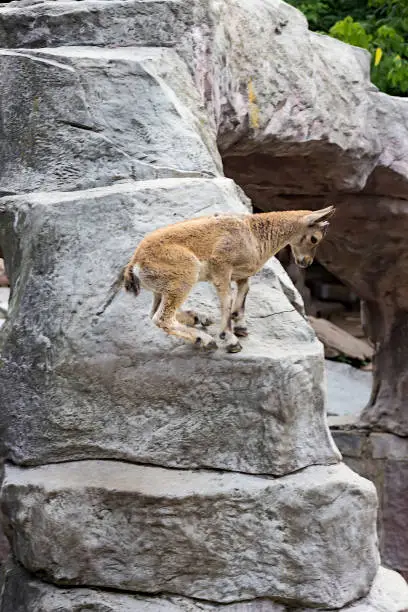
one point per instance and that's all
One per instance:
(23, 593)
(277, 134)
(126, 113)
(350, 130)
(308, 537)
(165, 23)
(81, 386)
(333, 136)
(383, 458)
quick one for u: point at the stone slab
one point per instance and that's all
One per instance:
(223, 537)
(114, 386)
(156, 23)
(351, 443)
(340, 342)
(337, 141)
(24, 593)
(388, 446)
(77, 118)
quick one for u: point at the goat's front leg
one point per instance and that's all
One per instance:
(238, 310)
(222, 283)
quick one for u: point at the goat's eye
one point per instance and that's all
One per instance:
(314, 240)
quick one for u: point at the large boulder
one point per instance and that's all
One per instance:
(75, 118)
(79, 385)
(277, 134)
(23, 593)
(117, 23)
(306, 538)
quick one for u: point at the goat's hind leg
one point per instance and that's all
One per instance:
(238, 310)
(166, 318)
(155, 304)
(192, 318)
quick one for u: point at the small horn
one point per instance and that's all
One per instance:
(318, 216)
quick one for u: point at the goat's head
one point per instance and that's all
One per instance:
(313, 227)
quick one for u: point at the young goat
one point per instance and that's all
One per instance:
(218, 249)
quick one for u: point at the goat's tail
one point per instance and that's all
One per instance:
(126, 277)
(130, 279)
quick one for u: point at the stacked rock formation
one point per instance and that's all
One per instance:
(135, 463)
(326, 134)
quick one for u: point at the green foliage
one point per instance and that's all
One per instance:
(380, 26)
(352, 32)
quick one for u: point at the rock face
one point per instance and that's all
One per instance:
(22, 593)
(278, 135)
(119, 119)
(114, 115)
(114, 386)
(383, 458)
(205, 535)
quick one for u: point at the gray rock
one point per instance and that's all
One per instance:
(383, 459)
(308, 538)
(395, 536)
(277, 134)
(348, 389)
(163, 23)
(23, 593)
(351, 443)
(339, 139)
(114, 386)
(75, 118)
(80, 385)
(389, 593)
(389, 446)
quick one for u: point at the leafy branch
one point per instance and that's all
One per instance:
(380, 26)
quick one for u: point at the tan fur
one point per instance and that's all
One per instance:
(218, 249)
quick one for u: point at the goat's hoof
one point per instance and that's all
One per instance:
(235, 315)
(211, 346)
(223, 335)
(241, 332)
(234, 348)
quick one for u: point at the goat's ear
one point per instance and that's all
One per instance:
(319, 216)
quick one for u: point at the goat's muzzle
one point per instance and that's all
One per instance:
(304, 262)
